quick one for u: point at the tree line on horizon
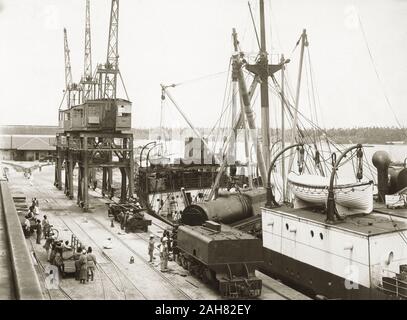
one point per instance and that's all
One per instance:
(373, 135)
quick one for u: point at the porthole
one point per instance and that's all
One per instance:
(312, 233)
(286, 226)
(321, 236)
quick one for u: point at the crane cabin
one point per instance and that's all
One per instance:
(97, 115)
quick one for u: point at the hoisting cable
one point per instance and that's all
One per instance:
(378, 75)
(254, 25)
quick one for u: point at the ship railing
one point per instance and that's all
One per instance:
(390, 282)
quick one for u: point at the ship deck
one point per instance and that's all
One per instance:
(381, 221)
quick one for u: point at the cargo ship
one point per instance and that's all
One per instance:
(327, 238)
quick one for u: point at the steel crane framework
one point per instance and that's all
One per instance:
(88, 148)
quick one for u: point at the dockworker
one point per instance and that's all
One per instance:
(175, 250)
(45, 227)
(151, 248)
(30, 213)
(95, 184)
(164, 254)
(47, 246)
(91, 264)
(126, 218)
(35, 202)
(120, 217)
(39, 231)
(35, 210)
(83, 267)
(27, 227)
(76, 257)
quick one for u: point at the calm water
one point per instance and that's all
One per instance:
(176, 149)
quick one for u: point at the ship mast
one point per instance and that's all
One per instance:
(294, 131)
(263, 70)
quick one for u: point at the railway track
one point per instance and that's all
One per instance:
(41, 270)
(159, 273)
(110, 260)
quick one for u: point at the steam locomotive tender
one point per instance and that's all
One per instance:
(223, 256)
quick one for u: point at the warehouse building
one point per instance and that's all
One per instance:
(27, 143)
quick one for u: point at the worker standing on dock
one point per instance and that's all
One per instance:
(83, 271)
(47, 246)
(91, 259)
(151, 248)
(76, 258)
(45, 227)
(164, 254)
(27, 227)
(39, 231)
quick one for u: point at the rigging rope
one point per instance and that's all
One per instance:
(378, 75)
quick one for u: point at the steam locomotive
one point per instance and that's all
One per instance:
(222, 256)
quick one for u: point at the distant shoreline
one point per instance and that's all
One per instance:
(364, 135)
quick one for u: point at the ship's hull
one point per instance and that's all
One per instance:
(358, 258)
(313, 281)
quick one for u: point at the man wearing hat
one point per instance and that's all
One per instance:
(164, 254)
(151, 248)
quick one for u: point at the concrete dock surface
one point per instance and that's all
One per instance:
(115, 277)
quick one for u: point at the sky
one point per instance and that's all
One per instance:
(174, 41)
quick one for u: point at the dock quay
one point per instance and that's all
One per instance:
(115, 278)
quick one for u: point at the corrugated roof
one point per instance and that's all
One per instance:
(28, 130)
(27, 142)
(36, 143)
(5, 142)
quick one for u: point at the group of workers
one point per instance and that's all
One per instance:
(167, 245)
(85, 264)
(85, 260)
(32, 223)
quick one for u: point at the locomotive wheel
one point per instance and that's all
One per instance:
(189, 266)
(185, 263)
(182, 261)
(178, 260)
(206, 275)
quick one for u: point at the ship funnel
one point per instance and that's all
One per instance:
(381, 160)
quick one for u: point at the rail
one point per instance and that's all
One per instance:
(390, 282)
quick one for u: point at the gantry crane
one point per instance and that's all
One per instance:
(107, 73)
(96, 132)
(87, 81)
(72, 90)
